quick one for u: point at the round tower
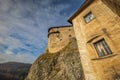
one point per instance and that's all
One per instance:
(58, 37)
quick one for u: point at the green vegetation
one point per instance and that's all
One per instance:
(62, 65)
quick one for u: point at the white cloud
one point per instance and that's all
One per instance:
(10, 57)
(28, 22)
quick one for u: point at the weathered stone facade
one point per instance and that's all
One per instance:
(59, 37)
(96, 26)
(62, 65)
(114, 5)
(105, 25)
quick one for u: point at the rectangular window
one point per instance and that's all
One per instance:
(102, 48)
(89, 17)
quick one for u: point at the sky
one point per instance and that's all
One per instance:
(24, 26)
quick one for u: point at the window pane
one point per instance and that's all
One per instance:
(102, 48)
(98, 49)
(89, 17)
(107, 48)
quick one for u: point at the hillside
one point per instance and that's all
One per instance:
(63, 65)
(13, 71)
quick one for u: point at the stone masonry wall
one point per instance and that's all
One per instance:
(114, 5)
(105, 25)
(59, 37)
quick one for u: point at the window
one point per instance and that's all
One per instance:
(69, 35)
(89, 17)
(102, 48)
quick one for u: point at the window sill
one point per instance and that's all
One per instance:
(104, 57)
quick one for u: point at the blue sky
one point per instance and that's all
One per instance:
(24, 26)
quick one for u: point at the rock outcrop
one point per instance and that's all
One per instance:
(62, 65)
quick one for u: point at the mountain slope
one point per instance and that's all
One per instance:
(63, 65)
(13, 71)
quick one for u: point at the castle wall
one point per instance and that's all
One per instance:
(58, 38)
(114, 5)
(105, 25)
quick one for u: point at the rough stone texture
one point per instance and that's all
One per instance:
(105, 25)
(114, 5)
(59, 38)
(63, 65)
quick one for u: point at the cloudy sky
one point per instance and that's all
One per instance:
(24, 26)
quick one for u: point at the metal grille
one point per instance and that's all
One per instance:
(102, 48)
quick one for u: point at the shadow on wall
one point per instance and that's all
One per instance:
(114, 5)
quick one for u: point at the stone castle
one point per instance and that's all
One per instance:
(59, 37)
(96, 26)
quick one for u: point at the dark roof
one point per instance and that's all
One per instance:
(85, 5)
(53, 33)
(59, 27)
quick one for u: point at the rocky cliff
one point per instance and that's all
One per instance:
(63, 65)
